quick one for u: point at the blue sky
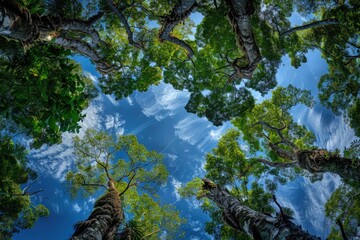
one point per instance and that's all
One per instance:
(160, 122)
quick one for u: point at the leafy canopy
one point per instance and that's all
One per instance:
(136, 171)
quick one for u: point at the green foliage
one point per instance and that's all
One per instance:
(43, 91)
(344, 206)
(137, 173)
(227, 165)
(17, 212)
(255, 125)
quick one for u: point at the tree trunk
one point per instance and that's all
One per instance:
(256, 224)
(104, 219)
(239, 18)
(17, 23)
(179, 13)
(319, 161)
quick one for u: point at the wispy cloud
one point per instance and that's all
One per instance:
(176, 184)
(162, 101)
(76, 207)
(56, 160)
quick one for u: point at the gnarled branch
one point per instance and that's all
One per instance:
(179, 13)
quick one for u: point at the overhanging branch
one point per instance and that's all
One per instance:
(179, 13)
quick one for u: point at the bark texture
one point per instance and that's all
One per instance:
(104, 219)
(320, 160)
(256, 224)
(17, 23)
(240, 12)
(179, 13)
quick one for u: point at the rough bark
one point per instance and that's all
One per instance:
(179, 13)
(319, 160)
(256, 224)
(104, 219)
(17, 23)
(325, 22)
(239, 15)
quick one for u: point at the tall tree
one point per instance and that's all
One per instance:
(130, 174)
(270, 127)
(17, 212)
(228, 166)
(256, 224)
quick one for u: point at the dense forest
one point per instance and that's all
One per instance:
(227, 62)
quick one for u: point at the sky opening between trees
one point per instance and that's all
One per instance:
(226, 63)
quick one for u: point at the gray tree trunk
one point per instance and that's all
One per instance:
(239, 18)
(256, 224)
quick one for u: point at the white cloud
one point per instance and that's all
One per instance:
(308, 200)
(162, 101)
(172, 157)
(91, 200)
(56, 160)
(330, 133)
(130, 101)
(76, 207)
(176, 184)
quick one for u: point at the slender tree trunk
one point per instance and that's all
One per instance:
(325, 22)
(104, 219)
(319, 161)
(239, 18)
(256, 224)
(179, 13)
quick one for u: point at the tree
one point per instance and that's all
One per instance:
(42, 91)
(343, 207)
(129, 173)
(17, 212)
(243, 218)
(245, 221)
(228, 166)
(219, 67)
(270, 127)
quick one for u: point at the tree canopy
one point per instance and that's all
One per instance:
(17, 212)
(222, 62)
(126, 169)
(237, 47)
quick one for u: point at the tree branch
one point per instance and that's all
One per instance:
(123, 20)
(324, 22)
(279, 133)
(180, 12)
(282, 152)
(343, 234)
(85, 49)
(277, 164)
(128, 185)
(91, 184)
(84, 27)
